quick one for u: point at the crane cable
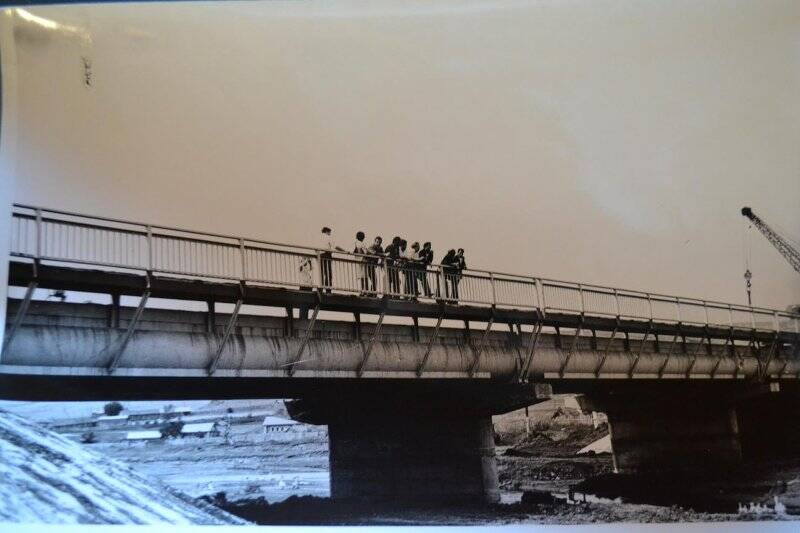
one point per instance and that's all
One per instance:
(746, 256)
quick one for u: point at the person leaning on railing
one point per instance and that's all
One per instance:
(407, 262)
(453, 265)
(375, 253)
(392, 265)
(449, 271)
(426, 256)
(461, 266)
(417, 268)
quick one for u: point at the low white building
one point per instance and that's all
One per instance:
(169, 412)
(205, 429)
(107, 421)
(275, 424)
(143, 435)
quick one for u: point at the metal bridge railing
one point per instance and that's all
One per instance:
(57, 236)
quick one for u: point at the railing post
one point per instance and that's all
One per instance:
(319, 270)
(241, 252)
(616, 302)
(678, 308)
(149, 248)
(494, 292)
(580, 292)
(705, 311)
(730, 315)
(650, 306)
(38, 233)
(544, 300)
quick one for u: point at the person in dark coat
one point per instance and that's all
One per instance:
(406, 267)
(426, 258)
(449, 271)
(393, 265)
(461, 265)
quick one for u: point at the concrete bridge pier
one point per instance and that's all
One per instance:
(415, 452)
(671, 432)
(674, 438)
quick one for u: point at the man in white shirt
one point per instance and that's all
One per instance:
(360, 249)
(326, 258)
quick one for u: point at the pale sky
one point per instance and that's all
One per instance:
(608, 142)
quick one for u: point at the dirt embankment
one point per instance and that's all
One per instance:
(47, 478)
(545, 459)
(309, 510)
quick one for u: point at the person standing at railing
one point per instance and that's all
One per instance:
(405, 262)
(426, 256)
(375, 253)
(449, 270)
(326, 258)
(416, 269)
(461, 266)
(360, 249)
(393, 265)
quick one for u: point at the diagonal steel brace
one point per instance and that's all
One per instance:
(476, 363)
(123, 343)
(639, 351)
(537, 329)
(770, 354)
(433, 338)
(696, 352)
(669, 353)
(571, 349)
(21, 312)
(728, 340)
(605, 350)
(296, 360)
(368, 350)
(212, 367)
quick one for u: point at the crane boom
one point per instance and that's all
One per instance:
(786, 249)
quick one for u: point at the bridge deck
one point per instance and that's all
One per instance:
(265, 269)
(170, 287)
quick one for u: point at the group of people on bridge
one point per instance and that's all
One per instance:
(406, 267)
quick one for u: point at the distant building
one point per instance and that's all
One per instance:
(143, 435)
(73, 426)
(107, 422)
(205, 429)
(168, 412)
(274, 424)
(145, 418)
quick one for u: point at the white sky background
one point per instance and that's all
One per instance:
(596, 141)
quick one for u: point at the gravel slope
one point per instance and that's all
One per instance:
(47, 478)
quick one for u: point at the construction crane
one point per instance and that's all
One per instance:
(777, 240)
(789, 252)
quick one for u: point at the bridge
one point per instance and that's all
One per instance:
(405, 373)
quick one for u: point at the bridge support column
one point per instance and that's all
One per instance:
(670, 438)
(412, 454)
(675, 431)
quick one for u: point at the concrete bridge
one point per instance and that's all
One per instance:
(406, 385)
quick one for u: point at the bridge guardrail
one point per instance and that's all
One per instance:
(43, 234)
